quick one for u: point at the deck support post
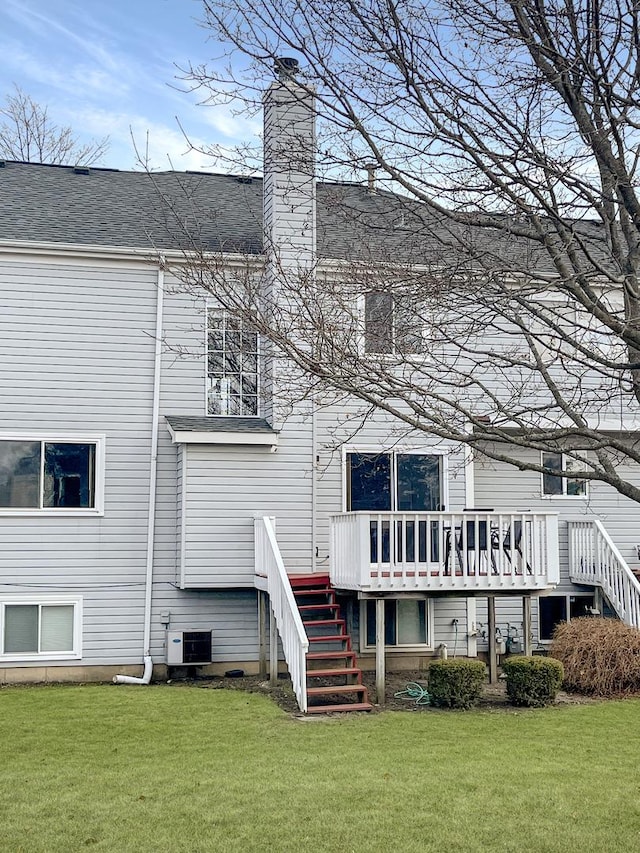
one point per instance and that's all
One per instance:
(493, 658)
(262, 633)
(380, 652)
(273, 650)
(526, 624)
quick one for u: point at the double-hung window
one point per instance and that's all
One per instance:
(554, 485)
(53, 474)
(232, 366)
(391, 324)
(46, 627)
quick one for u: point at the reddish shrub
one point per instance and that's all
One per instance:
(601, 657)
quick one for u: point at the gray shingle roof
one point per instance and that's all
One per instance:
(169, 210)
(188, 423)
(174, 210)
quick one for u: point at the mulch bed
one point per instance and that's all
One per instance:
(493, 697)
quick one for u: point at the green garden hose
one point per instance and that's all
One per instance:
(414, 692)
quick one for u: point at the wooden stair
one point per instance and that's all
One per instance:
(334, 681)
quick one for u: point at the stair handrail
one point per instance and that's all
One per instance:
(596, 560)
(284, 609)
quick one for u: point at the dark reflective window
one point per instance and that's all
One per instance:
(20, 474)
(44, 475)
(69, 475)
(368, 481)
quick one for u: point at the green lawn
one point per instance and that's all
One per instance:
(172, 769)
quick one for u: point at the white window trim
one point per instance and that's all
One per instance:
(415, 647)
(402, 451)
(564, 496)
(211, 305)
(45, 600)
(98, 439)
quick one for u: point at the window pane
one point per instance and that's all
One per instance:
(389, 622)
(408, 326)
(418, 482)
(412, 623)
(20, 474)
(575, 487)
(552, 610)
(20, 628)
(378, 322)
(552, 485)
(69, 475)
(368, 481)
(56, 628)
(232, 367)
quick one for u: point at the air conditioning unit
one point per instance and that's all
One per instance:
(188, 648)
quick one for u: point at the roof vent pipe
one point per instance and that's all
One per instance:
(286, 67)
(370, 169)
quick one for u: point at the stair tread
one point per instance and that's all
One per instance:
(312, 622)
(328, 637)
(310, 607)
(301, 581)
(302, 591)
(332, 709)
(347, 653)
(336, 688)
(325, 673)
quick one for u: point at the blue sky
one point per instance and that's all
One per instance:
(108, 67)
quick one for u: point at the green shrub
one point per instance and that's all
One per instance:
(456, 683)
(532, 681)
(601, 657)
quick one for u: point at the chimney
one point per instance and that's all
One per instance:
(289, 165)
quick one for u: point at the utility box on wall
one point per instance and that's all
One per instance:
(188, 648)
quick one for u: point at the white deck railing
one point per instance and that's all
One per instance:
(444, 551)
(284, 609)
(595, 560)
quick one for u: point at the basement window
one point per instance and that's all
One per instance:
(50, 475)
(405, 622)
(40, 628)
(553, 609)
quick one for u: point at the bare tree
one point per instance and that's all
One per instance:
(494, 299)
(27, 133)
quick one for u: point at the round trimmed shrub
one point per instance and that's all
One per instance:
(532, 682)
(601, 657)
(456, 683)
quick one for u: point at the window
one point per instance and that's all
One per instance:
(391, 324)
(553, 609)
(405, 622)
(232, 366)
(394, 481)
(48, 628)
(50, 475)
(553, 485)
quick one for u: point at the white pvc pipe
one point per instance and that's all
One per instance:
(153, 473)
(130, 679)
